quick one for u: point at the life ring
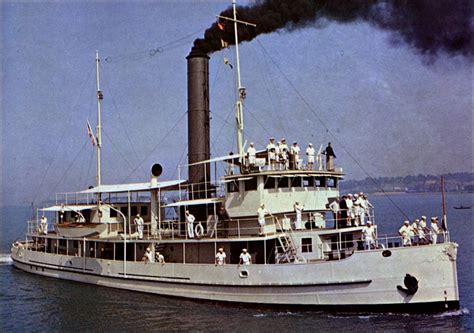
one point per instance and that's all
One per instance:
(199, 230)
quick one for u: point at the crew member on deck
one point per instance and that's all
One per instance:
(220, 257)
(261, 212)
(310, 153)
(330, 156)
(43, 229)
(148, 257)
(334, 207)
(299, 210)
(190, 223)
(405, 232)
(271, 151)
(159, 258)
(245, 258)
(295, 153)
(422, 231)
(369, 235)
(138, 220)
(251, 155)
(283, 150)
(434, 231)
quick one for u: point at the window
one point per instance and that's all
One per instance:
(113, 213)
(331, 182)
(134, 210)
(269, 183)
(296, 182)
(251, 184)
(308, 181)
(306, 245)
(320, 182)
(232, 187)
(283, 182)
(144, 210)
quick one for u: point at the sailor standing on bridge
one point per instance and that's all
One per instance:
(190, 222)
(299, 210)
(261, 212)
(251, 155)
(139, 223)
(330, 156)
(43, 229)
(310, 152)
(271, 151)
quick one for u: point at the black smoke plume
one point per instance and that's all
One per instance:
(430, 26)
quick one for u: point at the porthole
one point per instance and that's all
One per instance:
(244, 274)
(386, 253)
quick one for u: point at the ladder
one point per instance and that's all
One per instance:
(288, 248)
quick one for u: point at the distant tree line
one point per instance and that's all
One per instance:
(454, 182)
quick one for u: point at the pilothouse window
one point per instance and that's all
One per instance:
(269, 183)
(251, 184)
(232, 187)
(306, 245)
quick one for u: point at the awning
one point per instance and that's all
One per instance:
(135, 187)
(194, 202)
(67, 208)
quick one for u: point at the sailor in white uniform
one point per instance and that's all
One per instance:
(261, 212)
(43, 229)
(251, 154)
(299, 210)
(160, 258)
(422, 231)
(405, 232)
(148, 257)
(190, 223)
(220, 257)
(283, 151)
(271, 151)
(369, 235)
(138, 220)
(310, 152)
(434, 232)
(245, 258)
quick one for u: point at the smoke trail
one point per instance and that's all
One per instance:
(429, 26)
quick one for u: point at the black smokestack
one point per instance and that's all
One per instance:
(198, 123)
(429, 26)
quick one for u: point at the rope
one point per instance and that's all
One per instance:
(155, 147)
(329, 131)
(180, 41)
(60, 141)
(68, 168)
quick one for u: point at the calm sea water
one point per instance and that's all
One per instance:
(29, 302)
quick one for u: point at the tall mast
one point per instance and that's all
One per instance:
(100, 96)
(239, 106)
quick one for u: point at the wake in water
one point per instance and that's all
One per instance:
(5, 259)
(460, 312)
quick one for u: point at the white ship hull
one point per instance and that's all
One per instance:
(366, 281)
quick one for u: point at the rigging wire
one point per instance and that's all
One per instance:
(63, 134)
(173, 44)
(68, 168)
(117, 149)
(328, 131)
(155, 147)
(122, 122)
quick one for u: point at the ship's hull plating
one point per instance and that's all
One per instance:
(366, 281)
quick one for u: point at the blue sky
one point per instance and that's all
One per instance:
(386, 107)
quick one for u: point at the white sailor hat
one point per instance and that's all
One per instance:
(244, 250)
(310, 144)
(369, 222)
(416, 220)
(406, 222)
(423, 217)
(251, 143)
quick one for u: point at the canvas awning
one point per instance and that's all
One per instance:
(194, 202)
(67, 208)
(135, 187)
